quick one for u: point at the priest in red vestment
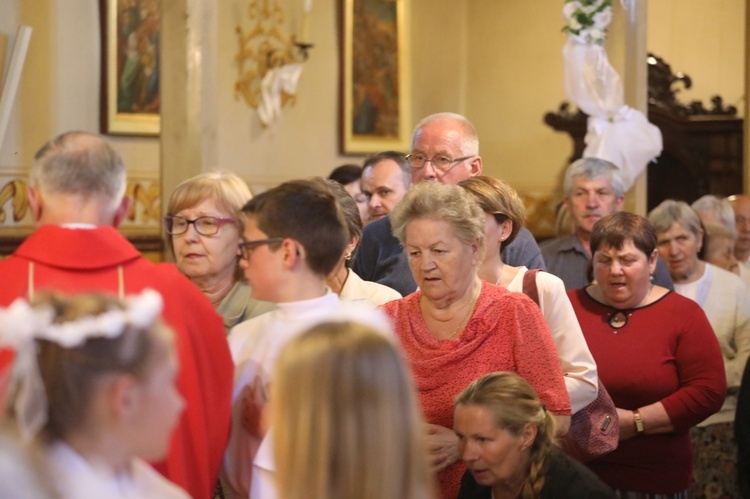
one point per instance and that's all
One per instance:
(76, 193)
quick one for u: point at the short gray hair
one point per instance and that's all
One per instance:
(470, 139)
(437, 201)
(591, 168)
(721, 208)
(670, 211)
(80, 163)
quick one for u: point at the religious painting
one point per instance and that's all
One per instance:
(375, 75)
(131, 54)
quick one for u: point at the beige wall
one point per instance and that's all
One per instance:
(305, 141)
(705, 40)
(497, 61)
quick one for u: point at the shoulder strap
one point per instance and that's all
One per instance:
(529, 285)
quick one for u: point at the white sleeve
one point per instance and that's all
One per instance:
(578, 364)
(263, 484)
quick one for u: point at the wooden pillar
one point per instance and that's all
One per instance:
(635, 81)
(188, 91)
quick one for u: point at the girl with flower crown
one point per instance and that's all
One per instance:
(94, 380)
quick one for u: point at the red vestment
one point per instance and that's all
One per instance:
(87, 260)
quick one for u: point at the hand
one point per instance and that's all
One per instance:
(442, 444)
(627, 424)
(253, 400)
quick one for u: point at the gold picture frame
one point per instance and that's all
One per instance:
(375, 93)
(130, 35)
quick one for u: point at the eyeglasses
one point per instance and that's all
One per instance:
(205, 226)
(247, 247)
(443, 163)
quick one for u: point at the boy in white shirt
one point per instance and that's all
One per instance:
(294, 237)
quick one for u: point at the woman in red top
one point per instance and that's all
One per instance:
(657, 355)
(456, 328)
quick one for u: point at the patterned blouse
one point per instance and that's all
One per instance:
(506, 332)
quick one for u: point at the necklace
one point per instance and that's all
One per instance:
(463, 322)
(618, 319)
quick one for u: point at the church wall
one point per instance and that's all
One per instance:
(706, 41)
(497, 61)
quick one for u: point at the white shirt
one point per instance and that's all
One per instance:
(724, 299)
(356, 289)
(255, 346)
(578, 364)
(75, 477)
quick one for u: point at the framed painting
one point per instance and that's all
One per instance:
(375, 93)
(130, 66)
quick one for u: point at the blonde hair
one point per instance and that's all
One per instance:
(436, 201)
(345, 419)
(513, 404)
(227, 190)
(499, 199)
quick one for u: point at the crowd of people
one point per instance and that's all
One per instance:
(393, 331)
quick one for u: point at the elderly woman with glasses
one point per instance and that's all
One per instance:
(204, 222)
(456, 327)
(724, 299)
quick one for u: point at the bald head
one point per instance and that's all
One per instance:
(451, 136)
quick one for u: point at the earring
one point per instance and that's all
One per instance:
(651, 277)
(348, 257)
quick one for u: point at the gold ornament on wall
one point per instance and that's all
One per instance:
(146, 202)
(14, 190)
(145, 212)
(269, 60)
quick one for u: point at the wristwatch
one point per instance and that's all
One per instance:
(638, 420)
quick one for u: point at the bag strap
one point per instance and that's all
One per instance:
(529, 285)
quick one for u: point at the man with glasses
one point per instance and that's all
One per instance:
(76, 195)
(444, 148)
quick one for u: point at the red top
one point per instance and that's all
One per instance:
(86, 260)
(667, 352)
(506, 332)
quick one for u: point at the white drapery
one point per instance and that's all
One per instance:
(616, 132)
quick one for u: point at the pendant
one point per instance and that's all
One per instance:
(618, 319)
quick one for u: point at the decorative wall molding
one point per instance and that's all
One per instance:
(142, 226)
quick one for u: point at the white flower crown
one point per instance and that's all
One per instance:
(21, 324)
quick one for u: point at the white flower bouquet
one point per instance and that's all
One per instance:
(587, 20)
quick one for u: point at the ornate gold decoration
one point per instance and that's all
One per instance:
(146, 198)
(14, 190)
(265, 46)
(146, 209)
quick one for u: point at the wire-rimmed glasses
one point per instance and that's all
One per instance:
(440, 162)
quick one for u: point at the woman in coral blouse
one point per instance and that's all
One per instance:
(657, 355)
(456, 327)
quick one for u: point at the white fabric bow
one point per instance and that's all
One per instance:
(616, 132)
